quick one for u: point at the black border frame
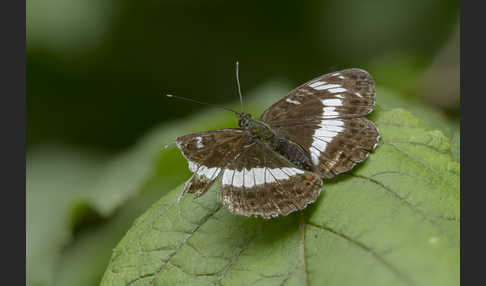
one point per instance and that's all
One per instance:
(13, 128)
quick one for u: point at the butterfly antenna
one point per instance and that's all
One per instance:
(238, 82)
(200, 102)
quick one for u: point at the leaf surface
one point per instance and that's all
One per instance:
(393, 220)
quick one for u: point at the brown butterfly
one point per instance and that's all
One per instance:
(275, 165)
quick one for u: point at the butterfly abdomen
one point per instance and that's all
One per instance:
(293, 152)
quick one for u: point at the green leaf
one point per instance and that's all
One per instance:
(65, 184)
(393, 220)
(432, 117)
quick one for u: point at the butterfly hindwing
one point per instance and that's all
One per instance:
(260, 182)
(207, 153)
(336, 145)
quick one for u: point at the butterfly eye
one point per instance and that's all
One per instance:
(244, 120)
(241, 122)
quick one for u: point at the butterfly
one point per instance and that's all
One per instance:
(276, 164)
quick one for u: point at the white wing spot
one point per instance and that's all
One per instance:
(259, 176)
(317, 83)
(298, 171)
(199, 143)
(314, 155)
(319, 145)
(341, 77)
(292, 101)
(192, 166)
(358, 94)
(329, 111)
(227, 177)
(332, 122)
(215, 174)
(324, 132)
(328, 130)
(269, 177)
(332, 102)
(201, 171)
(321, 138)
(279, 175)
(327, 86)
(208, 173)
(336, 90)
(238, 179)
(288, 171)
(332, 128)
(249, 180)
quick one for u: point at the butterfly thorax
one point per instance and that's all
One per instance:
(255, 128)
(258, 130)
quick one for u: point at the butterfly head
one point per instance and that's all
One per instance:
(244, 119)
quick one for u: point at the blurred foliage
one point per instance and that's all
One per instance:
(95, 68)
(96, 122)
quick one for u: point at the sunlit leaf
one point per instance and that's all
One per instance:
(394, 220)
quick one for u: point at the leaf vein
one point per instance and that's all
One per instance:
(184, 241)
(419, 144)
(233, 259)
(179, 246)
(368, 249)
(302, 249)
(418, 161)
(407, 203)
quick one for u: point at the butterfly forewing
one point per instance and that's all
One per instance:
(207, 153)
(343, 94)
(260, 182)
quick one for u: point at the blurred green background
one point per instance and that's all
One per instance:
(96, 121)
